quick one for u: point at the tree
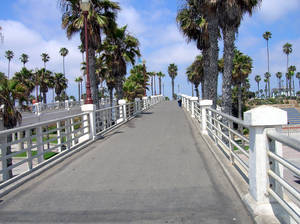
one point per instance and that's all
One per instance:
(290, 76)
(195, 73)
(279, 76)
(287, 49)
(10, 91)
(24, 59)
(268, 76)
(298, 77)
(60, 84)
(267, 36)
(45, 81)
(82, 50)
(9, 55)
(101, 20)
(122, 48)
(64, 52)
(25, 77)
(151, 75)
(230, 14)
(198, 22)
(160, 75)
(257, 80)
(172, 70)
(79, 81)
(242, 67)
(45, 59)
(134, 84)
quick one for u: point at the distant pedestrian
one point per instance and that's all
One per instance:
(179, 102)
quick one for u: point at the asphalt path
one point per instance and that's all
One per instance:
(154, 169)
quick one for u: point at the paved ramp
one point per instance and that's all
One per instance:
(155, 169)
(293, 116)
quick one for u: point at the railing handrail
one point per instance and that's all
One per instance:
(9, 131)
(234, 119)
(286, 140)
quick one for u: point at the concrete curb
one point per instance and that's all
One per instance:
(237, 182)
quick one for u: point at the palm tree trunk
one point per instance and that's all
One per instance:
(93, 78)
(197, 91)
(159, 80)
(202, 90)
(8, 69)
(212, 81)
(192, 89)
(81, 90)
(240, 100)
(111, 97)
(205, 84)
(78, 91)
(269, 88)
(44, 97)
(229, 38)
(173, 89)
(268, 56)
(258, 89)
(119, 87)
(64, 66)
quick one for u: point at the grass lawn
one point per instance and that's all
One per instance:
(47, 155)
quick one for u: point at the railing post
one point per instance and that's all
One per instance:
(193, 100)
(145, 102)
(67, 105)
(122, 108)
(137, 105)
(259, 121)
(91, 109)
(204, 104)
(40, 143)
(38, 109)
(188, 98)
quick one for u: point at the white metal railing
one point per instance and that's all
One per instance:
(280, 187)
(34, 144)
(28, 148)
(227, 132)
(254, 146)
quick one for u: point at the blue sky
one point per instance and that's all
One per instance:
(34, 27)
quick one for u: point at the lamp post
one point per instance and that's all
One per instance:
(144, 66)
(85, 6)
(36, 85)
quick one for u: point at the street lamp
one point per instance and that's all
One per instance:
(144, 66)
(85, 7)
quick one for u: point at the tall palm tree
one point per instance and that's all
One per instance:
(160, 75)
(266, 87)
(230, 14)
(79, 81)
(10, 91)
(195, 73)
(9, 55)
(198, 22)
(45, 59)
(64, 52)
(298, 77)
(242, 67)
(279, 76)
(287, 49)
(172, 70)
(268, 76)
(45, 81)
(101, 20)
(26, 77)
(267, 36)
(122, 49)
(257, 80)
(24, 59)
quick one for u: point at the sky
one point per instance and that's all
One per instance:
(34, 27)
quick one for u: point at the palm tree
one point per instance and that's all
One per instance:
(267, 36)
(268, 76)
(151, 75)
(290, 74)
(230, 14)
(45, 81)
(79, 81)
(198, 22)
(26, 77)
(257, 80)
(172, 70)
(60, 84)
(10, 91)
(279, 76)
(9, 55)
(242, 67)
(298, 77)
(64, 52)
(24, 59)
(195, 74)
(287, 49)
(101, 20)
(266, 87)
(45, 59)
(160, 75)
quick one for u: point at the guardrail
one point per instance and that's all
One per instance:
(254, 146)
(28, 148)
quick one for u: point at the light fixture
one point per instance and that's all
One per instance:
(85, 5)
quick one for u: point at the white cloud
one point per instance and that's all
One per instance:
(21, 39)
(131, 17)
(272, 10)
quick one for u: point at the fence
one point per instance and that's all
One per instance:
(26, 149)
(254, 146)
